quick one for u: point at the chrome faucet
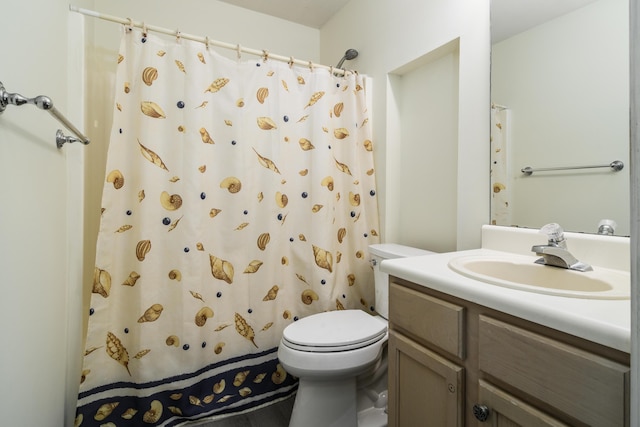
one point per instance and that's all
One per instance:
(555, 252)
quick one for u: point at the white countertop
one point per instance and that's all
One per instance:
(606, 322)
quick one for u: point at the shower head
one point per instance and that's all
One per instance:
(348, 55)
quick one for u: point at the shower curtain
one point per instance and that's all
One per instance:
(239, 197)
(501, 193)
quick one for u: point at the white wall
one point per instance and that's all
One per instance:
(566, 83)
(41, 219)
(426, 92)
(389, 35)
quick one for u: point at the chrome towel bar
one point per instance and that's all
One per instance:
(615, 166)
(43, 103)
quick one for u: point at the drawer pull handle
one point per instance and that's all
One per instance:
(481, 412)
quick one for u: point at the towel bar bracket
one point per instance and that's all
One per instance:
(6, 98)
(3, 102)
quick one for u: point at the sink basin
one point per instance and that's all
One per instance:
(520, 272)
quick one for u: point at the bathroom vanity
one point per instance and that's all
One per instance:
(464, 352)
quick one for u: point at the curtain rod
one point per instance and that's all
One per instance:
(205, 40)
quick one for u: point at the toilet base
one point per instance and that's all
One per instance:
(373, 417)
(325, 404)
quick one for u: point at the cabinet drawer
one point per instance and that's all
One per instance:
(428, 319)
(585, 386)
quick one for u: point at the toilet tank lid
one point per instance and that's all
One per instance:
(393, 250)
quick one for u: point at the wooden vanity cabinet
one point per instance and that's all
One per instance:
(456, 363)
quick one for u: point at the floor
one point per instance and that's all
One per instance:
(276, 415)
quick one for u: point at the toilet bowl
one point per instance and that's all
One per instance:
(334, 353)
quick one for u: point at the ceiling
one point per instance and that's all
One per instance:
(312, 13)
(508, 17)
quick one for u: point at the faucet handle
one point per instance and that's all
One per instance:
(607, 227)
(555, 234)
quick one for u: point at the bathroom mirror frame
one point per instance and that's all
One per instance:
(541, 128)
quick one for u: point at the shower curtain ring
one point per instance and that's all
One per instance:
(178, 36)
(206, 42)
(144, 29)
(239, 51)
(311, 65)
(291, 62)
(129, 26)
(265, 55)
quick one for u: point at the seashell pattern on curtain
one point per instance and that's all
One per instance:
(239, 197)
(500, 184)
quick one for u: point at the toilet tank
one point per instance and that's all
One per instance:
(378, 253)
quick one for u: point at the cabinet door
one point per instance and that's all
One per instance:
(505, 410)
(425, 389)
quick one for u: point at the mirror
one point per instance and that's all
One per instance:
(560, 99)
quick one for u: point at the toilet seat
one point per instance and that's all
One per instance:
(334, 331)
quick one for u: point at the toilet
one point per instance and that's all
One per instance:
(339, 358)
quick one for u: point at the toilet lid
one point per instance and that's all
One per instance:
(334, 331)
